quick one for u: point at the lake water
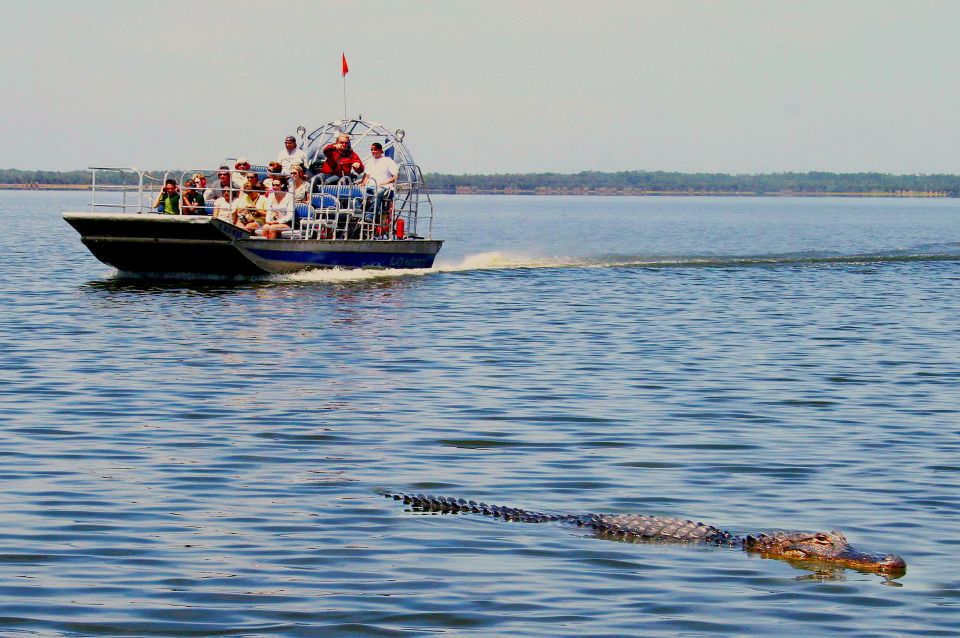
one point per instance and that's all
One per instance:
(203, 458)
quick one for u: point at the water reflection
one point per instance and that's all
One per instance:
(145, 286)
(348, 293)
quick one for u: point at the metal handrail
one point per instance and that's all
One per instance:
(312, 211)
(124, 189)
(410, 200)
(411, 195)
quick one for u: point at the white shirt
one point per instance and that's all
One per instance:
(222, 209)
(298, 156)
(279, 212)
(381, 170)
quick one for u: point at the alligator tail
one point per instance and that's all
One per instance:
(446, 505)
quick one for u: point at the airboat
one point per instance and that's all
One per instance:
(341, 225)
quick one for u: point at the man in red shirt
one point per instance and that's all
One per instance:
(340, 161)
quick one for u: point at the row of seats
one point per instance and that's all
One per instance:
(326, 198)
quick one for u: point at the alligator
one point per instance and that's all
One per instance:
(828, 549)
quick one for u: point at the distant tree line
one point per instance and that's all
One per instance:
(662, 181)
(630, 181)
(70, 178)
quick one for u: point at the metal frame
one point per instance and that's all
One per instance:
(143, 177)
(411, 200)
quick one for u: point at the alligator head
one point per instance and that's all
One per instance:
(829, 548)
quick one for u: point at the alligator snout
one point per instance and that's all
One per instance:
(826, 547)
(891, 563)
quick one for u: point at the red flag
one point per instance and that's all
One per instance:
(346, 69)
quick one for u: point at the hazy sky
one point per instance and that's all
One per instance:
(488, 86)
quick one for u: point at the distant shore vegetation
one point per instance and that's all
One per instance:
(673, 183)
(601, 183)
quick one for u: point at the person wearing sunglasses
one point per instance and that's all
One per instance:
(215, 191)
(380, 176)
(168, 201)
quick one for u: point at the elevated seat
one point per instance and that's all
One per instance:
(335, 212)
(319, 220)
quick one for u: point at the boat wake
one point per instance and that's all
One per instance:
(503, 261)
(796, 259)
(480, 261)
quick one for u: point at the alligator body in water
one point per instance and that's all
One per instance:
(826, 548)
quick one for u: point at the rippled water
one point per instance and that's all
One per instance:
(203, 458)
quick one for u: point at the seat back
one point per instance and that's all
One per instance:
(300, 211)
(324, 200)
(342, 190)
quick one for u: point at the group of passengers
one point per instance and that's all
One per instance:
(267, 207)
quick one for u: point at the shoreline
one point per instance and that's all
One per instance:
(593, 192)
(44, 187)
(636, 192)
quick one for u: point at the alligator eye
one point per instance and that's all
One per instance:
(823, 538)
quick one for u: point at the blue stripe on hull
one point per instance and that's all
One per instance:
(341, 259)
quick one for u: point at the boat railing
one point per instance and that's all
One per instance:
(132, 194)
(352, 210)
(343, 210)
(412, 200)
(213, 185)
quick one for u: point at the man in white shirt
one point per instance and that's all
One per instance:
(381, 170)
(291, 155)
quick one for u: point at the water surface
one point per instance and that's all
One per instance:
(202, 458)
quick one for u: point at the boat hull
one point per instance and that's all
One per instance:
(152, 243)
